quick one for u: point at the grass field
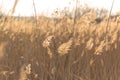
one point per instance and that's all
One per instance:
(58, 49)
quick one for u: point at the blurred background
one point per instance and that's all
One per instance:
(47, 7)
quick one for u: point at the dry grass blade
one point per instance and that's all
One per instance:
(49, 52)
(2, 47)
(114, 37)
(23, 75)
(90, 44)
(65, 47)
(100, 48)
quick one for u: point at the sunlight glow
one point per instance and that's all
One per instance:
(46, 7)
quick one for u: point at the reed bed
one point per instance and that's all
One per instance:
(59, 49)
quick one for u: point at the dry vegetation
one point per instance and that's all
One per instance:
(60, 50)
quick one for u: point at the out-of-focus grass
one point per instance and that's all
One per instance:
(50, 52)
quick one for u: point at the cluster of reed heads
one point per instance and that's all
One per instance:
(61, 49)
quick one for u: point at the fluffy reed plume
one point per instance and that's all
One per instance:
(46, 43)
(65, 47)
(25, 70)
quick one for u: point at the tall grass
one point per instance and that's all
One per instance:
(49, 52)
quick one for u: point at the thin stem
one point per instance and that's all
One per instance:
(108, 21)
(75, 19)
(35, 12)
(14, 6)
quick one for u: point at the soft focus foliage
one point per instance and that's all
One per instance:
(58, 49)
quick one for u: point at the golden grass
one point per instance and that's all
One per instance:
(55, 54)
(2, 49)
